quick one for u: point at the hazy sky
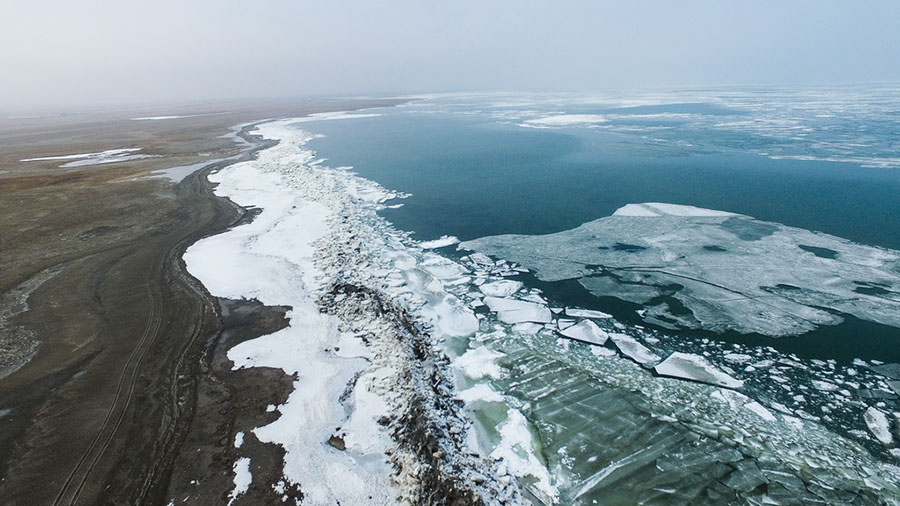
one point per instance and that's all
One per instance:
(75, 52)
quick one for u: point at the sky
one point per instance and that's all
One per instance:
(85, 52)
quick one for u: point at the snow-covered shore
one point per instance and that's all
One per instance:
(372, 419)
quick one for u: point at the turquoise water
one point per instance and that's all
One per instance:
(473, 172)
(474, 177)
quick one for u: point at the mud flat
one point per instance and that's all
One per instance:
(110, 351)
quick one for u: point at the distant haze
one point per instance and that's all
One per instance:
(63, 53)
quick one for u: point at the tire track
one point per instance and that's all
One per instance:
(124, 393)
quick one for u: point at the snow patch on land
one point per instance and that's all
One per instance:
(242, 478)
(101, 157)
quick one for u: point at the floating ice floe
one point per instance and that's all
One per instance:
(586, 331)
(586, 313)
(517, 311)
(564, 323)
(481, 392)
(502, 288)
(634, 350)
(479, 363)
(443, 241)
(695, 368)
(878, 423)
(732, 272)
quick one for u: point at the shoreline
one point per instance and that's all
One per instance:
(388, 257)
(429, 455)
(384, 314)
(106, 412)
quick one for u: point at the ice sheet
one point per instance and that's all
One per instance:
(730, 271)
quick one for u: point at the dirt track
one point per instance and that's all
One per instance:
(129, 398)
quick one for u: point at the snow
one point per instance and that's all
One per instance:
(101, 157)
(632, 349)
(878, 424)
(174, 116)
(516, 311)
(271, 259)
(242, 478)
(443, 241)
(586, 313)
(586, 331)
(695, 368)
(238, 439)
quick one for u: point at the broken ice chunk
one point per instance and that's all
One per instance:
(586, 331)
(445, 240)
(877, 422)
(738, 358)
(734, 399)
(564, 323)
(442, 268)
(600, 351)
(503, 288)
(586, 313)
(480, 392)
(761, 411)
(824, 385)
(527, 328)
(479, 363)
(696, 368)
(517, 311)
(633, 349)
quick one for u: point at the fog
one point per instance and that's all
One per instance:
(64, 53)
